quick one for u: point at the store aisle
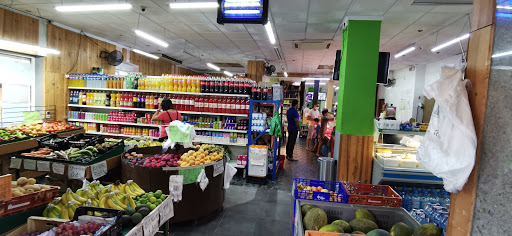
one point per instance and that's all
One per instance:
(247, 211)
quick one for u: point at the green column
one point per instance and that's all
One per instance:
(358, 77)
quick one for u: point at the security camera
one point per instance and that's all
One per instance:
(143, 8)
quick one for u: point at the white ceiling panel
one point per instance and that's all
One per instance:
(291, 27)
(329, 28)
(437, 18)
(203, 28)
(369, 7)
(238, 35)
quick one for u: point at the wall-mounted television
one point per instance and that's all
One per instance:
(321, 97)
(336, 72)
(382, 73)
(242, 12)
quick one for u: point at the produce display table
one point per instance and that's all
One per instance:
(10, 222)
(195, 202)
(383, 173)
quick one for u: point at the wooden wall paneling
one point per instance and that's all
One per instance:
(255, 70)
(477, 71)
(19, 28)
(483, 14)
(355, 158)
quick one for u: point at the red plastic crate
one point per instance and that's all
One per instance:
(371, 194)
(27, 201)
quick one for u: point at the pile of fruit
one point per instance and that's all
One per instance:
(77, 229)
(159, 160)
(145, 204)
(142, 143)
(24, 186)
(72, 154)
(34, 233)
(6, 135)
(364, 223)
(40, 129)
(313, 188)
(203, 154)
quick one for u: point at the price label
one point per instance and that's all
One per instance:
(218, 167)
(16, 163)
(99, 169)
(43, 166)
(150, 223)
(166, 210)
(58, 168)
(175, 187)
(136, 231)
(190, 175)
(29, 164)
(76, 172)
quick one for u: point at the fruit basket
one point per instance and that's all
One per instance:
(82, 140)
(371, 194)
(318, 190)
(27, 201)
(114, 227)
(53, 141)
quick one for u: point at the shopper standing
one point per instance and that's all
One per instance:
(305, 113)
(312, 115)
(326, 117)
(293, 117)
(166, 114)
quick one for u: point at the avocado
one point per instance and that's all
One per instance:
(129, 211)
(363, 225)
(357, 232)
(362, 213)
(136, 218)
(126, 220)
(144, 211)
(331, 228)
(141, 206)
(427, 230)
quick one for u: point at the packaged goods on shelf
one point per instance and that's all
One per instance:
(259, 92)
(225, 124)
(213, 104)
(114, 116)
(258, 160)
(259, 122)
(220, 137)
(241, 160)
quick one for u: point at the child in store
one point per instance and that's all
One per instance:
(315, 134)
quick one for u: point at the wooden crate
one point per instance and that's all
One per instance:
(36, 223)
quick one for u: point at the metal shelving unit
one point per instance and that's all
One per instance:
(167, 92)
(277, 140)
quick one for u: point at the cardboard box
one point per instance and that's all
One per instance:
(36, 223)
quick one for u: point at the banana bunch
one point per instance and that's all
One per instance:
(133, 189)
(105, 190)
(112, 200)
(118, 186)
(70, 196)
(128, 201)
(69, 210)
(54, 209)
(95, 186)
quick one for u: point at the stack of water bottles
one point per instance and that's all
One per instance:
(259, 123)
(426, 206)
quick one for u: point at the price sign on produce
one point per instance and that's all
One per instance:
(218, 167)
(43, 166)
(58, 168)
(136, 231)
(150, 223)
(99, 169)
(76, 172)
(166, 210)
(29, 164)
(15, 163)
(190, 175)
(175, 187)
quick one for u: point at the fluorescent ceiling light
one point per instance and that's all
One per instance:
(242, 4)
(285, 74)
(309, 83)
(145, 53)
(242, 11)
(337, 88)
(405, 51)
(502, 54)
(296, 84)
(213, 66)
(21, 46)
(270, 33)
(450, 43)
(309, 78)
(101, 7)
(151, 38)
(185, 5)
(504, 7)
(227, 73)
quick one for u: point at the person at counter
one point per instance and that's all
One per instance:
(293, 117)
(322, 139)
(391, 112)
(166, 114)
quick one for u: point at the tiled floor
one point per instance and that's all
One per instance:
(251, 209)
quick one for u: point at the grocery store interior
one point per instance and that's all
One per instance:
(255, 117)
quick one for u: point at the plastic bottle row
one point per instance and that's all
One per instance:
(413, 198)
(228, 123)
(433, 213)
(232, 105)
(220, 137)
(114, 116)
(178, 83)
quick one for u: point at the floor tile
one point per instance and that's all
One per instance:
(266, 227)
(237, 224)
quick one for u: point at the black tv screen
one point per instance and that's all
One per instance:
(242, 12)
(382, 73)
(336, 73)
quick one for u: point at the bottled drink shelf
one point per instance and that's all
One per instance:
(169, 92)
(217, 143)
(222, 130)
(113, 122)
(121, 135)
(144, 109)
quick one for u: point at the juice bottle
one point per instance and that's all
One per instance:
(247, 105)
(175, 83)
(192, 103)
(84, 98)
(183, 84)
(198, 84)
(196, 103)
(155, 102)
(171, 83)
(238, 107)
(232, 105)
(146, 105)
(200, 102)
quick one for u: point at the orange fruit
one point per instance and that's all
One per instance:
(319, 188)
(314, 189)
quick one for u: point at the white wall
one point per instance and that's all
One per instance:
(433, 70)
(401, 93)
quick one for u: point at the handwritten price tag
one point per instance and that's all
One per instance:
(16, 163)
(175, 187)
(150, 223)
(166, 210)
(76, 172)
(99, 169)
(58, 168)
(218, 168)
(136, 231)
(43, 166)
(29, 164)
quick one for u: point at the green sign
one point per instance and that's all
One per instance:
(190, 175)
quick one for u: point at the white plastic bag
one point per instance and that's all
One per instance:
(449, 146)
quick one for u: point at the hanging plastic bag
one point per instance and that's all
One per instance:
(179, 132)
(228, 175)
(449, 146)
